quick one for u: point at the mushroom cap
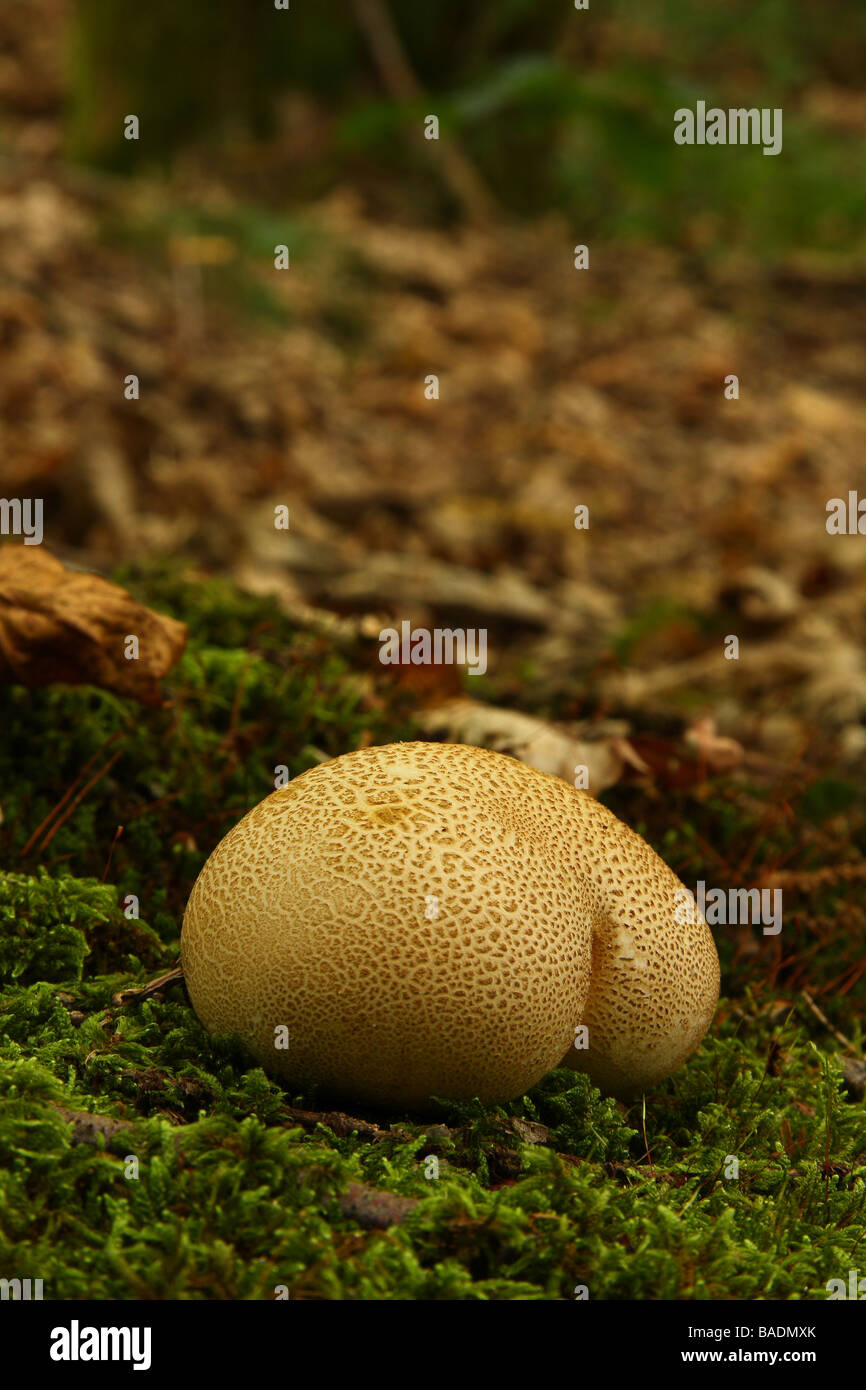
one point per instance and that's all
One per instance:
(436, 919)
(655, 973)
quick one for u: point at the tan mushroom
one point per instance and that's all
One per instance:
(436, 919)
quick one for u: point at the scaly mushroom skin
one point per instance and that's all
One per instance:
(654, 977)
(436, 919)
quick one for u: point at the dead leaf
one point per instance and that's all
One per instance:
(420, 579)
(530, 1131)
(86, 1127)
(70, 627)
(543, 746)
(341, 1124)
(762, 596)
(373, 1209)
(718, 754)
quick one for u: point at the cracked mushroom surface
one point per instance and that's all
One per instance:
(426, 919)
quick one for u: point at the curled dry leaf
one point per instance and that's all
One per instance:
(718, 753)
(70, 627)
(545, 747)
(87, 1127)
(530, 1131)
(762, 595)
(373, 1209)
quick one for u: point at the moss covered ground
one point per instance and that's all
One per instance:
(142, 1158)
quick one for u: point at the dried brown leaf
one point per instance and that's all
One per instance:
(70, 627)
(374, 1209)
(719, 754)
(87, 1127)
(543, 746)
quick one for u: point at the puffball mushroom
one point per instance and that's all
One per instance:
(427, 919)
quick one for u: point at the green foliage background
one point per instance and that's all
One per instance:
(559, 109)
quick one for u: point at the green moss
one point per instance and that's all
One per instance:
(197, 1176)
(251, 693)
(49, 926)
(39, 926)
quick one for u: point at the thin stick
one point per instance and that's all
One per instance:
(117, 834)
(645, 1140)
(822, 1018)
(78, 800)
(401, 83)
(137, 994)
(63, 800)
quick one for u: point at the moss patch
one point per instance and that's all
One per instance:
(142, 1158)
